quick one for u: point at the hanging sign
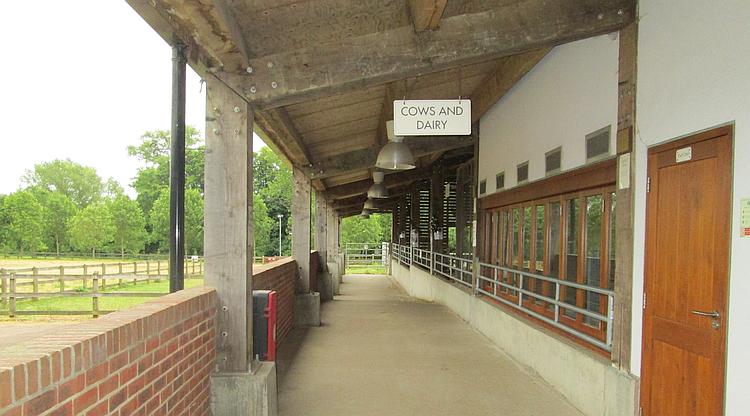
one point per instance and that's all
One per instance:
(432, 117)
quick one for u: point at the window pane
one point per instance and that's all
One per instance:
(612, 240)
(503, 238)
(514, 236)
(571, 250)
(539, 245)
(554, 240)
(594, 209)
(526, 238)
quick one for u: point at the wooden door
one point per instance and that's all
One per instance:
(687, 260)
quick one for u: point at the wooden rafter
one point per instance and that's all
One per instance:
(365, 158)
(292, 76)
(280, 129)
(426, 14)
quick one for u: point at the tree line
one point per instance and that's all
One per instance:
(63, 206)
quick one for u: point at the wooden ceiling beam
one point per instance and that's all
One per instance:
(393, 91)
(292, 76)
(426, 14)
(502, 79)
(280, 129)
(226, 14)
(391, 180)
(365, 158)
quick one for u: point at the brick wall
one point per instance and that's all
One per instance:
(155, 358)
(279, 276)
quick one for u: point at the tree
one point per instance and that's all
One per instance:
(24, 221)
(262, 225)
(129, 224)
(159, 221)
(154, 152)
(91, 228)
(272, 182)
(58, 210)
(113, 189)
(79, 183)
(358, 229)
(193, 222)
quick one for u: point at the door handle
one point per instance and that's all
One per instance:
(714, 314)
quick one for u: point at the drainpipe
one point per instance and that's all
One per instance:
(177, 172)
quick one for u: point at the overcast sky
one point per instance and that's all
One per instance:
(83, 80)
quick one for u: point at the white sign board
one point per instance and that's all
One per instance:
(432, 117)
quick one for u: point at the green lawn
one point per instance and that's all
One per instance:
(85, 303)
(366, 269)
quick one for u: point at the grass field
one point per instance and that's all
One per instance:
(366, 269)
(26, 263)
(85, 303)
(48, 270)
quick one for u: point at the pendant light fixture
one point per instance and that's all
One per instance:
(395, 155)
(370, 204)
(365, 213)
(377, 190)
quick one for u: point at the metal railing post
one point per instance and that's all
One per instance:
(557, 302)
(610, 318)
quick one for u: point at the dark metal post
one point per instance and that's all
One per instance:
(177, 173)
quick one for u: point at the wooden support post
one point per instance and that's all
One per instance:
(12, 300)
(104, 279)
(135, 273)
(148, 270)
(62, 279)
(3, 286)
(35, 282)
(624, 208)
(321, 230)
(119, 271)
(95, 295)
(85, 273)
(438, 233)
(229, 222)
(158, 270)
(301, 229)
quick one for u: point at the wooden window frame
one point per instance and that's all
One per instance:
(580, 184)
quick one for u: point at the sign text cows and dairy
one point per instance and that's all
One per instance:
(432, 117)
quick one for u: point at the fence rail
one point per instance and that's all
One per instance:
(365, 254)
(74, 281)
(540, 296)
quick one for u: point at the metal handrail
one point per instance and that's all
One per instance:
(556, 302)
(460, 269)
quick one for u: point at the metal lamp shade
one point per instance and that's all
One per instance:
(365, 213)
(369, 205)
(377, 190)
(395, 156)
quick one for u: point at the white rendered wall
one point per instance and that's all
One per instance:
(693, 74)
(572, 92)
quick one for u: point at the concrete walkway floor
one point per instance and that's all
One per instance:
(380, 352)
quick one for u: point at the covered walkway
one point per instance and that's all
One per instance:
(380, 352)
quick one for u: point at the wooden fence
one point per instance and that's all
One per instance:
(58, 281)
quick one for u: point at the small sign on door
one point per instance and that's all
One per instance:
(745, 218)
(685, 154)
